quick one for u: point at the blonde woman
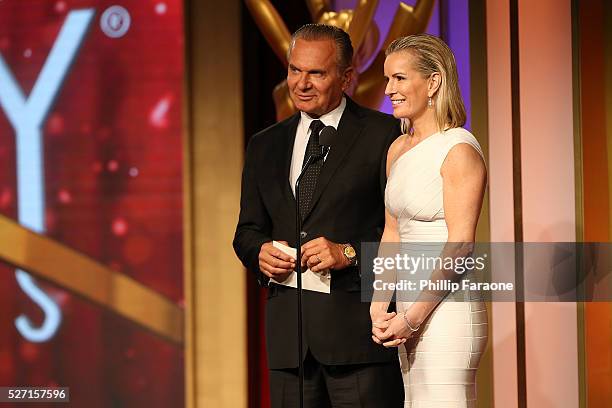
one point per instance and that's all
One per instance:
(436, 182)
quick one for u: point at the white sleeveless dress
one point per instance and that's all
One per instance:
(439, 362)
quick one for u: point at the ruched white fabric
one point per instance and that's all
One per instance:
(439, 362)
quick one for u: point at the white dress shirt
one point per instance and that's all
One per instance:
(302, 135)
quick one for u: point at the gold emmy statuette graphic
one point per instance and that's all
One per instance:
(369, 86)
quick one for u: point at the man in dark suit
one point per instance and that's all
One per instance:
(341, 206)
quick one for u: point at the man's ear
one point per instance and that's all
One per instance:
(433, 84)
(347, 78)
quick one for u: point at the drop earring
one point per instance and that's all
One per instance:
(430, 102)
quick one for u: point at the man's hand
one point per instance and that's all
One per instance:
(274, 263)
(320, 254)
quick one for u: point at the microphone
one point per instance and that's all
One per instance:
(325, 139)
(326, 136)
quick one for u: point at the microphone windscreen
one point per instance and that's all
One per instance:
(327, 135)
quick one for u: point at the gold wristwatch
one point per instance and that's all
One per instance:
(350, 254)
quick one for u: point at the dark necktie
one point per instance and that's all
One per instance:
(309, 179)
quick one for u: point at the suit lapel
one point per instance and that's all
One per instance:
(349, 129)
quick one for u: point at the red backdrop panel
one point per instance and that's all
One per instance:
(113, 190)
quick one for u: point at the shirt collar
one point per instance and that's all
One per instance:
(331, 118)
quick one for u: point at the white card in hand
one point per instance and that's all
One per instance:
(315, 281)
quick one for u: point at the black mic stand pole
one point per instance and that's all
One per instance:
(326, 133)
(298, 271)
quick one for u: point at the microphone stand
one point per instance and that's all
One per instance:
(298, 271)
(325, 136)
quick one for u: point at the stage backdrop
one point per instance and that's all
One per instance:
(91, 157)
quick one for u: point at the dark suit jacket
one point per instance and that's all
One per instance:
(347, 206)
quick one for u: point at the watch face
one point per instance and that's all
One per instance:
(349, 251)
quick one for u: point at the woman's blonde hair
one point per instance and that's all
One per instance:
(433, 55)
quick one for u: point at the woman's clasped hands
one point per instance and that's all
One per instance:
(390, 329)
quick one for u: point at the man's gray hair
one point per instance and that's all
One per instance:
(315, 32)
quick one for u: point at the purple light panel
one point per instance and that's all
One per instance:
(456, 30)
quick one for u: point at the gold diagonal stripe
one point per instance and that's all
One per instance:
(55, 262)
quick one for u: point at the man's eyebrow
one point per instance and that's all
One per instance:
(311, 71)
